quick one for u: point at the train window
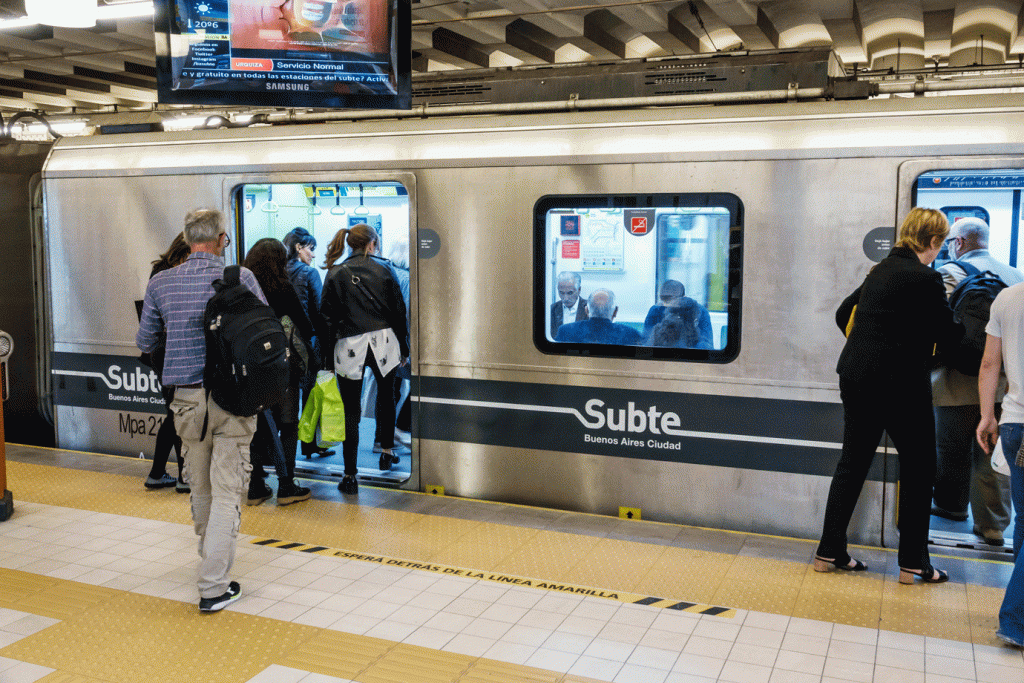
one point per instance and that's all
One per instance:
(993, 195)
(272, 210)
(653, 276)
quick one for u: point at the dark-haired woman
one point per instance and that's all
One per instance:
(267, 260)
(166, 436)
(364, 312)
(306, 281)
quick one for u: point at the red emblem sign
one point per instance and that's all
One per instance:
(638, 225)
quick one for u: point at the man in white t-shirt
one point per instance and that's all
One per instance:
(1004, 349)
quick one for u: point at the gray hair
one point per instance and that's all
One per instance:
(398, 254)
(673, 288)
(574, 278)
(973, 231)
(203, 225)
(601, 304)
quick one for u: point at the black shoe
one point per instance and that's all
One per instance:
(181, 486)
(163, 482)
(349, 484)
(385, 462)
(847, 564)
(394, 458)
(258, 493)
(946, 514)
(221, 601)
(290, 493)
(927, 574)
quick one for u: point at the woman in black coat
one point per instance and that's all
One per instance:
(363, 309)
(901, 317)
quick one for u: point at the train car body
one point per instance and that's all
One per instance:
(755, 438)
(22, 291)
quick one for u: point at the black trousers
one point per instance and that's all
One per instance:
(903, 409)
(351, 391)
(166, 439)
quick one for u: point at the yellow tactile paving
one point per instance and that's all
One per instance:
(983, 604)
(872, 600)
(857, 605)
(929, 610)
(615, 564)
(130, 637)
(484, 546)
(776, 600)
(696, 574)
(551, 554)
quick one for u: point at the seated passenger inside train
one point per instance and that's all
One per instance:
(679, 321)
(599, 328)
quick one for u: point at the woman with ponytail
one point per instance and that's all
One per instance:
(363, 309)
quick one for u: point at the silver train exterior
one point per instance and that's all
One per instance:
(496, 418)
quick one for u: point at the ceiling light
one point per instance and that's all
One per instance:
(72, 13)
(127, 10)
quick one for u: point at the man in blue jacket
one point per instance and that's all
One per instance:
(599, 328)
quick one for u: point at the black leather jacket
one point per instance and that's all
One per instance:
(349, 309)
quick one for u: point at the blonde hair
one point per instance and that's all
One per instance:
(921, 227)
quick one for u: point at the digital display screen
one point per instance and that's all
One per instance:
(645, 276)
(309, 53)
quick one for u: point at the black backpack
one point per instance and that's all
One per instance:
(971, 301)
(246, 349)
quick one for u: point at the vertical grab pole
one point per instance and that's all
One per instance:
(7, 503)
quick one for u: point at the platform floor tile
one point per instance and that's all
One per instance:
(97, 585)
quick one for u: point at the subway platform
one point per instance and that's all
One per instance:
(97, 584)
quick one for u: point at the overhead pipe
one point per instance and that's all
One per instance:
(573, 104)
(840, 90)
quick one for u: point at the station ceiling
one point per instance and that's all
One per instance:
(111, 67)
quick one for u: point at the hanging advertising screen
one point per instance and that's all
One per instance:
(285, 53)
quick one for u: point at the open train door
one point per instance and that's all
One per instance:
(990, 189)
(322, 204)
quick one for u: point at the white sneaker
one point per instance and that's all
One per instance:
(404, 438)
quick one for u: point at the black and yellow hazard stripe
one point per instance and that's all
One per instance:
(508, 579)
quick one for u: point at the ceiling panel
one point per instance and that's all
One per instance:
(111, 66)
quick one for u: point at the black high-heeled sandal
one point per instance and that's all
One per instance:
(927, 574)
(824, 564)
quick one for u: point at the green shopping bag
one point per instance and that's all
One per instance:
(323, 407)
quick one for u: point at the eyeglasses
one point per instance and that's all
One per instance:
(227, 238)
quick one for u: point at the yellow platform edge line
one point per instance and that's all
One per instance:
(505, 579)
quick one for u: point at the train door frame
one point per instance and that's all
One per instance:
(908, 173)
(231, 185)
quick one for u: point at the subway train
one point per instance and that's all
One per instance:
(767, 214)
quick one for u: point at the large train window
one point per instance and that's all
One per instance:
(273, 210)
(993, 195)
(652, 276)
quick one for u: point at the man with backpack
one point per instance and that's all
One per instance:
(215, 442)
(964, 473)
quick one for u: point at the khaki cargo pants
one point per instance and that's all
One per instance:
(217, 469)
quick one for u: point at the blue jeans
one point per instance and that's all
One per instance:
(1011, 613)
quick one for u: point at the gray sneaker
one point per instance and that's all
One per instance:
(161, 483)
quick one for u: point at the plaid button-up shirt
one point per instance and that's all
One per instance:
(175, 301)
